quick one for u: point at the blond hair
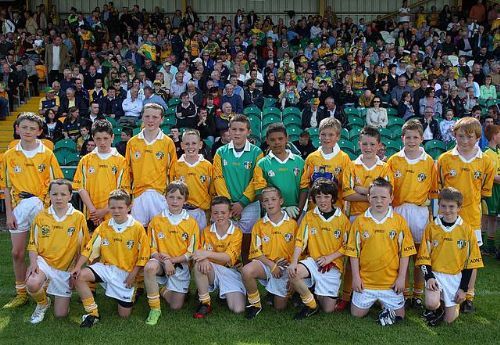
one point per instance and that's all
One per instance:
(468, 125)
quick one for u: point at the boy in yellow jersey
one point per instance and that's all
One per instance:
(216, 260)
(491, 205)
(99, 173)
(414, 178)
(173, 235)
(472, 172)
(234, 165)
(25, 173)
(366, 168)
(150, 155)
(121, 247)
(380, 245)
(273, 239)
(57, 236)
(322, 235)
(328, 161)
(448, 253)
(196, 172)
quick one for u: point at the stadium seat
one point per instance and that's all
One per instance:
(208, 143)
(344, 134)
(136, 131)
(435, 148)
(173, 102)
(269, 102)
(69, 173)
(252, 110)
(166, 129)
(117, 131)
(292, 120)
(347, 146)
(67, 157)
(255, 123)
(315, 142)
(288, 111)
(271, 110)
(352, 111)
(392, 146)
(169, 121)
(450, 145)
(268, 119)
(354, 134)
(355, 121)
(394, 121)
(111, 120)
(313, 132)
(385, 133)
(66, 145)
(293, 130)
(170, 111)
(392, 112)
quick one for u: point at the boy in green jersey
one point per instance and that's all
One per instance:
(281, 169)
(234, 165)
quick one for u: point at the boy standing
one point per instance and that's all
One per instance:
(234, 165)
(447, 256)
(150, 155)
(99, 173)
(414, 177)
(380, 245)
(469, 170)
(25, 173)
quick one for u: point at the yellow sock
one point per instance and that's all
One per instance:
(40, 297)
(90, 306)
(254, 299)
(204, 298)
(21, 288)
(308, 299)
(418, 290)
(154, 301)
(469, 296)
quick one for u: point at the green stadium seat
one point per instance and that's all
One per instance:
(313, 132)
(271, 111)
(268, 119)
(347, 146)
(208, 143)
(344, 134)
(136, 131)
(255, 123)
(395, 121)
(293, 130)
(288, 111)
(435, 148)
(113, 122)
(166, 129)
(315, 142)
(252, 110)
(392, 112)
(385, 133)
(269, 102)
(356, 121)
(117, 131)
(169, 121)
(170, 111)
(354, 134)
(66, 145)
(352, 111)
(292, 120)
(450, 145)
(69, 173)
(173, 102)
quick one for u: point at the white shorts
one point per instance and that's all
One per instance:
(389, 299)
(200, 216)
(58, 280)
(448, 285)
(25, 212)
(227, 280)
(113, 281)
(325, 284)
(249, 216)
(147, 205)
(276, 286)
(417, 218)
(178, 282)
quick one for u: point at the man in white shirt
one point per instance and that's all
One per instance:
(132, 107)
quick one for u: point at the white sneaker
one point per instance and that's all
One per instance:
(39, 312)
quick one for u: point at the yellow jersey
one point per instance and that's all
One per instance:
(331, 166)
(414, 181)
(274, 241)
(29, 171)
(473, 178)
(173, 235)
(318, 236)
(58, 240)
(449, 249)
(122, 245)
(379, 245)
(494, 154)
(100, 174)
(149, 163)
(230, 243)
(197, 177)
(361, 175)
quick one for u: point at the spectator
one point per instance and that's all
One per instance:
(398, 90)
(88, 146)
(376, 116)
(132, 107)
(312, 116)
(304, 145)
(4, 102)
(70, 100)
(125, 136)
(50, 101)
(56, 59)
(488, 90)
(430, 125)
(8, 77)
(178, 86)
(232, 98)
(186, 113)
(430, 101)
(72, 124)
(54, 126)
(446, 127)
(151, 97)
(405, 108)
(111, 105)
(333, 110)
(252, 95)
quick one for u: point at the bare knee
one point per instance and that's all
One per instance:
(18, 254)
(237, 309)
(33, 285)
(248, 272)
(150, 268)
(61, 313)
(176, 305)
(124, 313)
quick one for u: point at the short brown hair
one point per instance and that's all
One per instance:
(154, 106)
(451, 194)
(120, 194)
(330, 122)
(178, 186)
(29, 116)
(220, 200)
(370, 132)
(102, 126)
(413, 125)
(380, 182)
(325, 186)
(271, 189)
(490, 131)
(240, 118)
(61, 182)
(469, 125)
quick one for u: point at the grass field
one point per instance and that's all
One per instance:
(222, 327)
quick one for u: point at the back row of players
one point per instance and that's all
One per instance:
(285, 256)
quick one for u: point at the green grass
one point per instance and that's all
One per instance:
(222, 327)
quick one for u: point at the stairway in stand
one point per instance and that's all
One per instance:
(7, 126)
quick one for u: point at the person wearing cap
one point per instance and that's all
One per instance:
(311, 117)
(158, 90)
(50, 101)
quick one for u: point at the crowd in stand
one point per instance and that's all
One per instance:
(110, 63)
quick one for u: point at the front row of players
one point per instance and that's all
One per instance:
(286, 258)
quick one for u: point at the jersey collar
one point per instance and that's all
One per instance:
(358, 161)
(336, 150)
(246, 148)
(158, 137)
(183, 159)
(69, 212)
(40, 148)
(458, 222)
(175, 219)
(337, 213)
(285, 218)
(422, 157)
(290, 156)
(119, 228)
(389, 214)
(113, 152)
(479, 154)
(229, 231)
